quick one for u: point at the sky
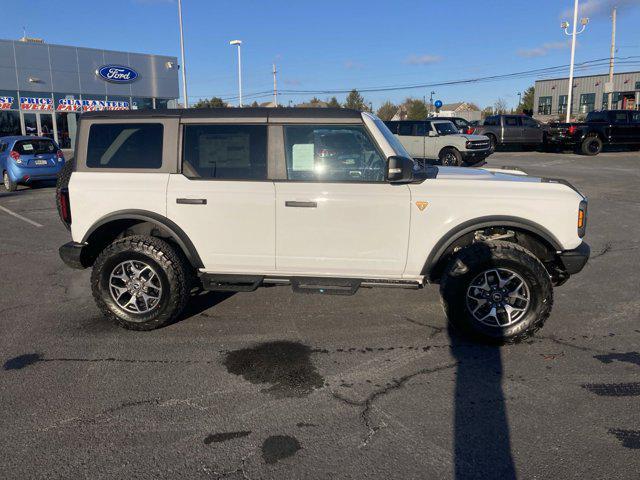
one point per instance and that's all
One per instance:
(340, 45)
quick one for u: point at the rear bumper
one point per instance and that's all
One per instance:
(575, 260)
(73, 254)
(20, 174)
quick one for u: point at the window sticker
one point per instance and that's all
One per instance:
(302, 157)
(27, 147)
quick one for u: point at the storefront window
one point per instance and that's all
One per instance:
(30, 123)
(587, 102)
(67, 102)
(138, 103)
(116, 102)
(562, 103)
(162, 103)
(544, 106)
(8, 100)
(9, 123)
(67, 127)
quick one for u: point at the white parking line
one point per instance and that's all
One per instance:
(17, 215)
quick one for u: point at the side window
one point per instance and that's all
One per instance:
(125, 145)
(511, 122)
(421, 130)
(635, 117)
(236, 152)
(620, 118)
(529, 122)
(332, 153)
(405, 129)
(392, 126)
(490, 121)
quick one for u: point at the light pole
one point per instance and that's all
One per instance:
(238, 43)
(431, 102)
(565, 26)
(519, 100)
(184, 66)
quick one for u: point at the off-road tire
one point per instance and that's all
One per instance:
(591, 145)
(171, 267)
(9, 185)
(470, 261)
(450, 157)
(63, 182)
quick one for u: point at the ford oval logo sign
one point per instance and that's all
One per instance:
(117, 73)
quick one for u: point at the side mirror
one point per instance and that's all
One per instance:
(432, 133)
(399, 169)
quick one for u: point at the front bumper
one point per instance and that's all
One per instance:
(74, 255)
(474, 156)
(575, 260)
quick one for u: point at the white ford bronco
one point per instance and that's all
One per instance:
(440, 139)
(324, 200)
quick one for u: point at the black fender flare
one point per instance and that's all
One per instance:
(469, 226)
(171, 228)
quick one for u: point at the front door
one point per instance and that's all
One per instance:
(409, 137)
(335, 214)
(223, 200)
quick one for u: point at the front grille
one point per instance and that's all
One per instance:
(478, 144)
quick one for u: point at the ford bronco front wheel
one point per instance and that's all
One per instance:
(498, 291)
(141, 283)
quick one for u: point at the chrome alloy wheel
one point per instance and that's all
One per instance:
(135, 286)
(498, 297)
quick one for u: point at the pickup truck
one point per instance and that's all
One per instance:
(512, 130)
(607, 127)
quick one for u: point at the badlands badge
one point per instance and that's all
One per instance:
(422, 205)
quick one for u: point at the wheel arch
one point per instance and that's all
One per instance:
(109, 227)
(532, 235)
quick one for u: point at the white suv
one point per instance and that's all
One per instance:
(324, 200)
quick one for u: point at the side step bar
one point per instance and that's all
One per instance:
(318, 285)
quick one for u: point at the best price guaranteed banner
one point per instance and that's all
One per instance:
(36, 103)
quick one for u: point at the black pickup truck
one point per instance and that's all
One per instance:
(607, 127)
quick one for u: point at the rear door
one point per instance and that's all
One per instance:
(635, 127)
(411, 141)
(531, 131)
(222, 198)
(512, 129)
(335, 213)
(621, 128)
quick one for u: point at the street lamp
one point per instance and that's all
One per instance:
(565, 25)
(519, 99)
(184, 66)
(239, 44)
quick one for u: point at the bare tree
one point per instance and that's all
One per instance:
(500, 106)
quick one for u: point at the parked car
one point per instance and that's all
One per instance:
(461, 124)
(607, 127)
(438, 139)
(28, 159)
(496, 241)
(509, 130)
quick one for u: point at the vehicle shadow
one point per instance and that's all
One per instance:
(482, 446)
(201, 301)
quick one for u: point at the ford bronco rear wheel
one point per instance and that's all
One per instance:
(141, 283)
(498, 291)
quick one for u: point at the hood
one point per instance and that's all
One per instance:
(460, 173)
(477, 138)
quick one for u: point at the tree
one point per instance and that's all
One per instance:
(526, 104)
(487, 111)
(214, 102)
(355, 101)
(334, 103)
(416, 109)
(387, 110)
(500, 106)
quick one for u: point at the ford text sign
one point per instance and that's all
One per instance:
(117, 73)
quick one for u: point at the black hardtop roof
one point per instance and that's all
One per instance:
(230, 112)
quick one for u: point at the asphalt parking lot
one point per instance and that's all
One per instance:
(276, 385)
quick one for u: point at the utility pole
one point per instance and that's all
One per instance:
(183, 66)
(573, 35)
(238, 43)
(612, 56)
(431, 102)
(275, 87)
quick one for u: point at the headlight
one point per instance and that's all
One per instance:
(582, 218)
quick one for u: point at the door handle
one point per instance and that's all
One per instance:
(291, 203)
(191, 201)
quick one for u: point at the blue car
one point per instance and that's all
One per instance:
(25, 160)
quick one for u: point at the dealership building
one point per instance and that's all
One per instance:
(589, 93)
(43, 87)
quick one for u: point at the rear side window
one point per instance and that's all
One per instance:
(620, 118)
(125, 145)
(491, 121)
(392, 126)
(34, 147)
(237, 152)
(405, 129)
(511, 121)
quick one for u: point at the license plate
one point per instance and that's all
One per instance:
(42, 162)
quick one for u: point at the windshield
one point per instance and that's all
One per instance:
(445, 128)
(391, 138)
